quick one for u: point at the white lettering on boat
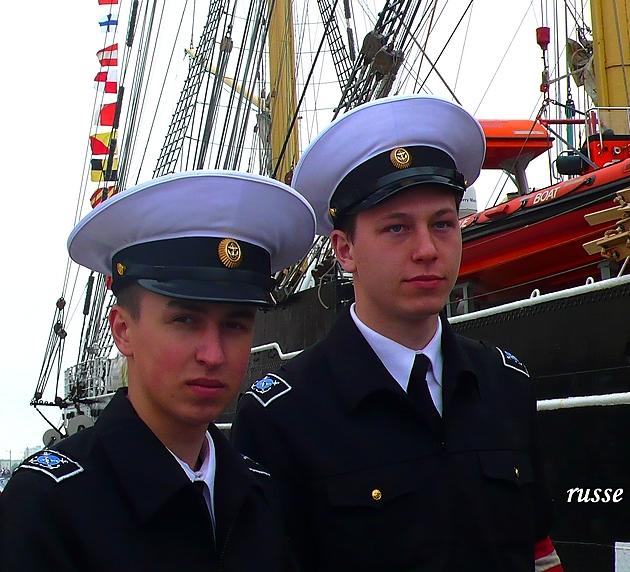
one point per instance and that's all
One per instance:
(544, 196)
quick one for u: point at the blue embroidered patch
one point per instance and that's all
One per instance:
(52, 463)
(268, 389)
(511, 361)
(264, 385)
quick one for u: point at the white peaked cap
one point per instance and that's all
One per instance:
(380, 127)
(167, 228)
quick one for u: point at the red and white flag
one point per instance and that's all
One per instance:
(107, 2)
(107, 81)
(108, 56)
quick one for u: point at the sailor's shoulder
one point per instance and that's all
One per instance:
(509, 361)
(484, 353)
(502, 359)
(62, 462)
(50, 464)
(268, 389)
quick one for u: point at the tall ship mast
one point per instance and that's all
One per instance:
(543, 270)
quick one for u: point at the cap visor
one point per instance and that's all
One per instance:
(380, 196)
(206, 291)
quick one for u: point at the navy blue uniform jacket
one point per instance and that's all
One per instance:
(132, 508)
(368, 483)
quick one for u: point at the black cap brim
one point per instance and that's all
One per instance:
(217, 291)
(403, 185)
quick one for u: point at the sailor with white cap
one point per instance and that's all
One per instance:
(154, 485)
(424, 455)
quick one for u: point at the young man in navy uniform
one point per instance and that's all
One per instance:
(150, 486)
(399, 445)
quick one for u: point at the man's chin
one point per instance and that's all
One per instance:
(422, 310)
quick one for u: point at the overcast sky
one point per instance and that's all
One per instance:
(48, 68)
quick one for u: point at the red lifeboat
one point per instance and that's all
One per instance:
(533, 241)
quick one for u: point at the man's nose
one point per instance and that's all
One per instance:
(424, 247)
(209, 350)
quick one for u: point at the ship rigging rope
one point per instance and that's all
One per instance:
(446, 44)
(244, 104)
(496, 71)
(257, 44)
(461, 55)
(139, 88)
(432, 64)
(159, 99)
(308, 79)
(542, 108)
(55, 345)
(312, 125)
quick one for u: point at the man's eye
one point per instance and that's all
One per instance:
(395, 228)
(185, 319)
(443, 224)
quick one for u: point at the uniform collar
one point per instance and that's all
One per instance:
(206, 472)
(358, 370)
(458, 367)
(233, 484)
(360, 373)
(399, 359)
(151, 476)
(145, 468)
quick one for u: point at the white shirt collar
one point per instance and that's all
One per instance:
(205, 473)
(398, 359)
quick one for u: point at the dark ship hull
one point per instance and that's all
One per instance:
(576, 344)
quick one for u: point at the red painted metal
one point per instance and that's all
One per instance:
(513, 140)
(541, 251)
(543, 37)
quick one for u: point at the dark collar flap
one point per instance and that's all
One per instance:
(146, 470)
(359, 371)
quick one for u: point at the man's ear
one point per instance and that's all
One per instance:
(344, 250)
(119, 322)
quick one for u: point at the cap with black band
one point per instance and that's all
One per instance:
(202, 235)
(384, 147)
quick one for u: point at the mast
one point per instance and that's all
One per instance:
(283, 92)
(611, 30)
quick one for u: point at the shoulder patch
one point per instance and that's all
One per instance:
(511, 361)
(254, 467)
(52, 463)
(268, 389)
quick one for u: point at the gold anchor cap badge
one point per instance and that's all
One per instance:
(400, 158)
(230, 253)
(120, 268)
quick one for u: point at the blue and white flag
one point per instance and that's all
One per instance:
(109, 22)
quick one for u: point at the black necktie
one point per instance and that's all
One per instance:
(418, 389)
(200, 487)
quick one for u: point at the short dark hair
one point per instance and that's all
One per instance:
(348, 225)
(129, 297)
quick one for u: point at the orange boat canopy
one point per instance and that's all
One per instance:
(512, 143)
